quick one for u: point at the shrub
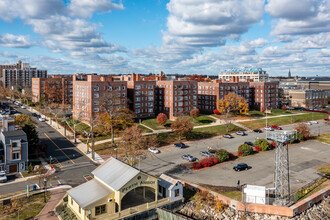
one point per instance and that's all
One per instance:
(240, 153)
(245, 149)
(215, 111)
(257, 148)
(232, 156)
(30, 168)
(273, 144)
(206, 162)
(197, 166)
(263, 143)
(222, 155)
(162, 118)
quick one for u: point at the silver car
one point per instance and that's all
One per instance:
(3, 177)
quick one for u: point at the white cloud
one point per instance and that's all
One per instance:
(299, 17)
(86, 8)
(19, 41)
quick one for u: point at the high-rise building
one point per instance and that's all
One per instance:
(21, 76)
(60, 85)
(92, 92)
(244, 75)
(18, 65)
(264, 94)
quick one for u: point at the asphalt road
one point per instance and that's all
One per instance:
(71, 163)
(170, 156)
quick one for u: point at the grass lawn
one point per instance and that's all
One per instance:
(258, 114)
(324, 138)
(29, 207)
(202, 120)
(152, 123)
(144, 129)
(283, 120)
(325, 169)
(322, 183)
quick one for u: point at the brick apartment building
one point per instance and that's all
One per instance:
(175, 98)
(61, 82)
(92, 90)
(21, 78)
(210, 92)
(141, 95)
(264, 94)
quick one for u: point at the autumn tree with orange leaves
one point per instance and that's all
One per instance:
(53, 91)
(232, 103)
(162, 118)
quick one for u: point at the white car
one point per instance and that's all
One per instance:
(314, 122)
(42, 119)
(269, 129)
(3, 177)
(308, 123)
(23, 107)
(153, 150)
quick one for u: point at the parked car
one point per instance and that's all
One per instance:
(34, 114)
(23, 107)
(249, 143)
(228, 136)
(257, 130)
(42, 119)
(180, 145)
(241, 166)
(153, 150)
(308, 123)
(242, 133)
(211, 150)
(269, 129)
(205, 154)
(314, 122)
(276, 127)
(189, 158)
(3, 177)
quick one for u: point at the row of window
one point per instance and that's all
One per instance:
(150, 110)
(150, 98)
(145, 86)
(110, 88)
(177, 86)
(146, 93)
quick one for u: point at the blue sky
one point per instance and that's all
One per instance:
(174, 36)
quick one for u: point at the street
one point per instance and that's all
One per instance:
(72, 164)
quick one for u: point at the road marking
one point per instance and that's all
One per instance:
(59, 148)
(35, 124)
(59, 182)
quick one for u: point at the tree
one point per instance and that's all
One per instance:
(32, 137)
(162, 118)
(22, 119)
(112, 117)
(53, 91)
(232, 103)
(304, 130)
(263, 109)
(263, 144)
(182, 125)
(284, 107)
(245, 149)
(222, 155)
(194, 113)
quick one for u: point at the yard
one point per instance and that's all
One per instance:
(283, 120)
(23, 208)
(324, 138)
(259, 114)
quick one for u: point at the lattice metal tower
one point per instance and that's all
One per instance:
(282, 180)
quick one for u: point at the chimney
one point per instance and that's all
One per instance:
(138, 77)
(133, 77)
(4, 124)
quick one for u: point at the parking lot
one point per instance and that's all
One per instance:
(304, 158)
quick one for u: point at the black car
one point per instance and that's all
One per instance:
(241, 166)
(257, 130)
(249, 143)
(180, 145)
(228, 136)
(34, 114)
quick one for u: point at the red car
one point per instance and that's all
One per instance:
(276, 127)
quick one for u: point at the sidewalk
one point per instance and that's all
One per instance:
(48, 212)
(69, 135)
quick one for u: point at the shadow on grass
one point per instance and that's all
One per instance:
(205, 121)
(197, 135)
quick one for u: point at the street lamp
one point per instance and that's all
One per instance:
(45, 189)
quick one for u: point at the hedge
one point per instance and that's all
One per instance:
(245, 149)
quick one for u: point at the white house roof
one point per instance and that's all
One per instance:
(89, 192)
(115, 173)
(168, 182)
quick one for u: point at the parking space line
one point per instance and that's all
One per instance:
(59, 148)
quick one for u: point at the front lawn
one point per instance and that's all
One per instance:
(202, 120)
(152, 123)
(28, 207)
(324, 138)
(260, 123)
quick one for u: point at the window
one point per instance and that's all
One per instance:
(150, 87)
(124, 94)
(137, 87)
(137, 93)
(16, 155)
(109, 87)
(176, 193)
(151, 110)
(99, 210)
(124, 87)
(96, 95)
(150, 92)
(96, 109)
(96, 88)
(117, 87)
(150, 98)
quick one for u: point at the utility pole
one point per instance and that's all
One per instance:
(266, 123)
(92, 133)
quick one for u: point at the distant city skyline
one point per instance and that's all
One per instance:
(174, 36)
